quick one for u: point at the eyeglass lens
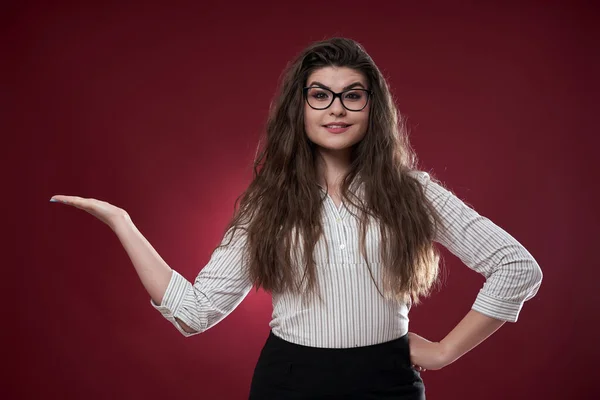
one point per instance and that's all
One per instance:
(321, 98)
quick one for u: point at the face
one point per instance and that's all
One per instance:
(317, 123)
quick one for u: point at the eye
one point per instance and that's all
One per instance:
(319, 94)
(354, 95)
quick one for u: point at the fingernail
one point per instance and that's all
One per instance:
(53, 200)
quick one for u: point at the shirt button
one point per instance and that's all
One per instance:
(338, 220)
(342, 246)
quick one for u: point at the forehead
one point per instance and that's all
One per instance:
(336, 77)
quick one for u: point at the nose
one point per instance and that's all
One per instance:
(336, 108)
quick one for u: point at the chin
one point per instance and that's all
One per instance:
(332, 149)
(335, 146)
(334, 142)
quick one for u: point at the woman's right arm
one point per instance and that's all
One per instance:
(192, 308)
(152, 270)
(217, 290)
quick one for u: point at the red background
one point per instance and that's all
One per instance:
(158, 109)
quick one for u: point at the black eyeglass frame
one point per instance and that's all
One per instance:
(336, 95)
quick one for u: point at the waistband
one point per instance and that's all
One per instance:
(393, 346)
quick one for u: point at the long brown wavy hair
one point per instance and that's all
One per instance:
(283, 203)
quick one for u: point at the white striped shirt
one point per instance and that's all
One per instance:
(353, 312)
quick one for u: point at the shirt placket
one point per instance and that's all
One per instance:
(341, 242)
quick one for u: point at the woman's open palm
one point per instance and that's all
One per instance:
(102, 210)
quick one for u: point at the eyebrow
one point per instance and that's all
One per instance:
(350, 86)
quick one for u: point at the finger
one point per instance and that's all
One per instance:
(64, 199)
(75, 201)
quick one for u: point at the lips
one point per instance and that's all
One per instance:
(337, 125)
(337, 128)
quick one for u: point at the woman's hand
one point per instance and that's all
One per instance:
(105, 212)
(426, 355)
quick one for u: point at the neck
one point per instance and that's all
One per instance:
(332, 166)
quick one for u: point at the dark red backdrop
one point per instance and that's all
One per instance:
(158, 110)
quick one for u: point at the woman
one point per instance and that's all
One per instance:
(339, 225)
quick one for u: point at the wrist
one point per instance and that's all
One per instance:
(121, 222)
(448, 352)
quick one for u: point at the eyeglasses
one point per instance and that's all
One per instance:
(320, 98)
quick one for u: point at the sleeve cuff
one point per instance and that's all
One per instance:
(497, 308)
(173, 296)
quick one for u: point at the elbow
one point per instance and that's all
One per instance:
(189, 330)
(536, 273)
(534, 278)
(185, 329)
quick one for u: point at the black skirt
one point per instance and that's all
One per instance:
(290, 371)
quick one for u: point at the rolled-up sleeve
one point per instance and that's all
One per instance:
(512, 274)
(217, 290)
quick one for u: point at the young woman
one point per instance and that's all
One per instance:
(339, 226)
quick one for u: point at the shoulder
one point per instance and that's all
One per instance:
(421, 176)
(432, 186)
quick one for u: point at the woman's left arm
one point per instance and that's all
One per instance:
(473, 329)
(512, 275)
